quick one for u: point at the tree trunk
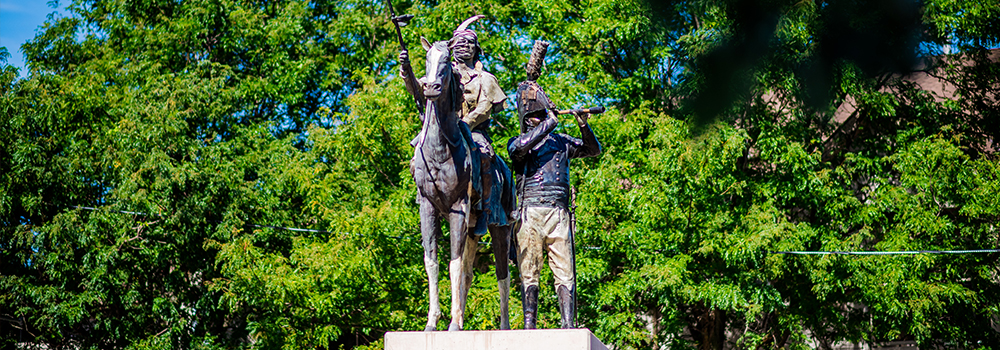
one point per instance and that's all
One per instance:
(709, 328)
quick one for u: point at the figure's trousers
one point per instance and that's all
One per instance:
(545, 229)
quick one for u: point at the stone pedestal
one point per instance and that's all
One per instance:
(535, 339)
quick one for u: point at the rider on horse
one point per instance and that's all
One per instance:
(481, 97)
(459, 97)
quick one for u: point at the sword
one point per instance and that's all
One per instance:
(572, 246)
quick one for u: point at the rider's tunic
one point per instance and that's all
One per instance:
(481, 97)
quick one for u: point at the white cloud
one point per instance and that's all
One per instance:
(12, 7)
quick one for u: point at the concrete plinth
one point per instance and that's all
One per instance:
(536, 339)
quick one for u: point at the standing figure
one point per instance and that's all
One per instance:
(541, 161)
(457, 176)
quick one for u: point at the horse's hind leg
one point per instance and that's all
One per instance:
(500, 235)
(458, 223)
(430, 230)
(468, 260)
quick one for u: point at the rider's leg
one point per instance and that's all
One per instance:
(477, 182)
(486, 178)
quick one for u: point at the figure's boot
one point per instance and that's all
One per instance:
(530, 307)
(483, 215)
(566, 307)
(482, 224)
(486, 174)
(477, 182)
(483, 218)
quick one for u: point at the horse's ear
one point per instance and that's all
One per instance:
(426, 44)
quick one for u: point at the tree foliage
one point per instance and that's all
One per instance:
(234, 174)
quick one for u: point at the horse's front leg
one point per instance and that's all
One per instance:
(430, 230)
(500, 235)
(468, 262)
(460, 266)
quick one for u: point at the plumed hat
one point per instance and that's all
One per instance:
(463, 31)
(530, 99)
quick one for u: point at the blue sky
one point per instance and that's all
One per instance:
(19, 21)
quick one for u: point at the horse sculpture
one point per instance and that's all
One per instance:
(443, 165)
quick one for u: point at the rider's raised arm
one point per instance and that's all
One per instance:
(411, 83)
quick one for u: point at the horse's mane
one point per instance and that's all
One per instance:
(454, 91)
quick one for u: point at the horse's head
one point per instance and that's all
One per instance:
(438, 68)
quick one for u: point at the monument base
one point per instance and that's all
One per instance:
(535, 339)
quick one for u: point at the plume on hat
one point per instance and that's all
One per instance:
(461, 30)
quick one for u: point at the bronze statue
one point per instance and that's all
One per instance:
(481, 96)
(541, 162)
(447, 168)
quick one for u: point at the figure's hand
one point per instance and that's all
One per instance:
(404, 62)
(536, 119)
(552, 114)
(581, 118)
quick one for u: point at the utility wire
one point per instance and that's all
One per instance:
(117, 211)
(246, 225)
(794, 252)
(903, 252)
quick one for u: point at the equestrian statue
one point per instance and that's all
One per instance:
(458, 176)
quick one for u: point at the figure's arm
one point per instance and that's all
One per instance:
(483, 106)
(411, 83)
(491, 97)
(587, 146)
(519, 146)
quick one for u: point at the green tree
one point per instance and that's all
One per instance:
(187, 127)
(685, 221)
(156, 155)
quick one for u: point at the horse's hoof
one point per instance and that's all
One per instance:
(504, 325)
(454, 327)
(430, 328)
